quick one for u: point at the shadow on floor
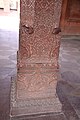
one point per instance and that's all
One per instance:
(67, 86)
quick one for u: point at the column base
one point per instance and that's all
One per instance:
(48, 108)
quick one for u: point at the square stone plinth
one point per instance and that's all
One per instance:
(42, 108)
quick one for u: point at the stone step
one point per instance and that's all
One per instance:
(72, 37)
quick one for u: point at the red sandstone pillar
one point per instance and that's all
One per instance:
(34, 90)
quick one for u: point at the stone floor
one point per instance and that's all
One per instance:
(68, 88)
(9, 25)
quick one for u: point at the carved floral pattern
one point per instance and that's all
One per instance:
(40, 49)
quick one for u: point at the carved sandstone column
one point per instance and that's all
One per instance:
(34, 90)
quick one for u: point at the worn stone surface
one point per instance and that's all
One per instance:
(35, 89)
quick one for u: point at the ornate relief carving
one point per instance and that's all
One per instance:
(39, 49)
(37, 59)
(36, 78)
